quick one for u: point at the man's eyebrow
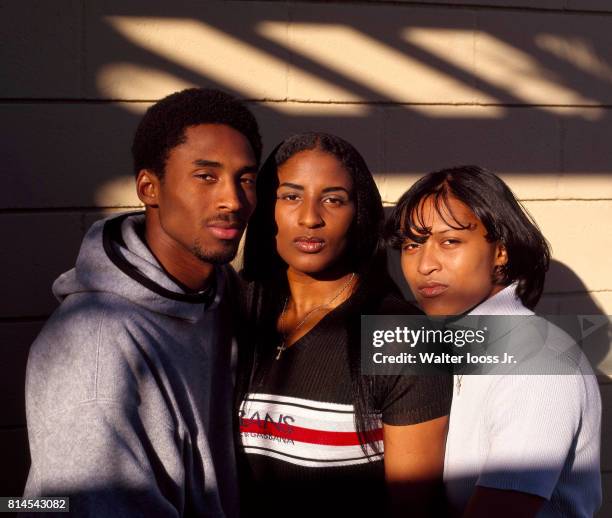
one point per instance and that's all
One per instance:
(247, 169)
(292, 186)
(200, 162)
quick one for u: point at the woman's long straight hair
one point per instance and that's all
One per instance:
(365, 255)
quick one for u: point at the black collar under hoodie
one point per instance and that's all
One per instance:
(114, 259)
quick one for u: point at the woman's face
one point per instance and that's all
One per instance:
(452, 271)
(313, 212)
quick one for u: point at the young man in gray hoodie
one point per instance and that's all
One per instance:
(129, 385)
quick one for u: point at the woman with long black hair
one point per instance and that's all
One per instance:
(316, 435)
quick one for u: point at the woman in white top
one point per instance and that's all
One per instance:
(518, 445)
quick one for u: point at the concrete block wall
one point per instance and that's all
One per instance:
(521, 87)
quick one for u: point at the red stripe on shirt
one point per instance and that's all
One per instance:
(307, 435)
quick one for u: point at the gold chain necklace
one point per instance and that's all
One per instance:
(283, 346)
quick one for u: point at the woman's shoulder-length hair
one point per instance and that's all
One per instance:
(506, 221)
(365, 244)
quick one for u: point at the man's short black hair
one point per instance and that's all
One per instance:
(491, 200)
(163, 126)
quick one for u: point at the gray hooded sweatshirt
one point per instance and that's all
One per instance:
(129, 387)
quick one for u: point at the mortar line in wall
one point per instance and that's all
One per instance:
(38, 210)
(393, 203)
(82, 58)
(562, 139)
(289, 62)
(69, 100)
(479, 7)
(431, 104)
(382, 120)
(565, 199)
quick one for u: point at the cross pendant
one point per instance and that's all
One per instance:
(458, 384)
(280, 350)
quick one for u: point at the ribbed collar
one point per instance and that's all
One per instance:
(503, 303)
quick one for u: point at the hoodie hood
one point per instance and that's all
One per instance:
(114, 259)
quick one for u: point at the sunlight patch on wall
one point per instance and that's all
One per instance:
(578, 239)
(586, 185)
(577, 52)
(220, 57)
(366, 61)
(118, 192)
(134, 81)
(534, 185)
(458, 111)
(507, 68)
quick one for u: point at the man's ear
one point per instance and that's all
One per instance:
(501, 255)
(148, 187)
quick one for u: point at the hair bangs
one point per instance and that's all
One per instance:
(410, 219)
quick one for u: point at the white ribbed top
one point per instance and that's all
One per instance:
(505, 302)
(538, 434)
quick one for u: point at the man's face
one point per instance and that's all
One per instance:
(208, 193)
(452, 271)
